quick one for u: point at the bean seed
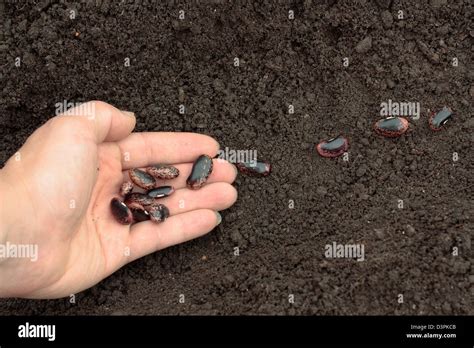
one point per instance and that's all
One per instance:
(163, 172)
(256, 169)
(391, 127)
(158, 212)
(160, 192)
(202, 168)
(142, 179)
(333, 147)
(439, 119)
(121, 212)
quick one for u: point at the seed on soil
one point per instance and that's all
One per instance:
(333, 147)
(391, 127)
(142, 179)
(121, 212)
(438, 120)
(140, 215)
(138, 200)
(163, 171)
(158, 212)
(202, 168)
(126, 188)
(160, 192)
(255, 169)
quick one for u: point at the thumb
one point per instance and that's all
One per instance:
(101, 121)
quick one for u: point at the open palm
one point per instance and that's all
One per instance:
(56, 193)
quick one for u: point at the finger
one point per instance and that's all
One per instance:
(222, 171)
(217, 196)
(148, 148)
(148, 237)
(98, 120)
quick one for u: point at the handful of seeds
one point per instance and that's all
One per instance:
(137, 206)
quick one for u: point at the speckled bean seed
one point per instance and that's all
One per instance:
(126, 188)
(121, 212)
(142, 179)
(202, 168)
(160, 192)
(439, 119)
(333, 147)
(391, 127)
(138, 200)
(163, 172)
(158, 212)
(255, 169)
(140, 215)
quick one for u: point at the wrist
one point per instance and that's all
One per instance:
(4, 211)
(12, 266)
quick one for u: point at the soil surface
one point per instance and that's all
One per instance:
(406, 199)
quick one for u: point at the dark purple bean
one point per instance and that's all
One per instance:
(121, 212)
(202, 168)
(138, 200)
(333, 147)
(391, 127)
(163, 172)
(438, 120)
(142, 179)
(126, 188)
(158, 212)
(140, 215)
(256, 169)
(160, 192)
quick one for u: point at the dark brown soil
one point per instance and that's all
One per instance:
(407, 251)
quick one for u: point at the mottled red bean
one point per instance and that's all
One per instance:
(202, 168)
(142, 179)
(333, 147)
(255, 169)
(160, 192)
(121, 212)
(391, 127)
(158, 212)
(126, 188)
(163, 172)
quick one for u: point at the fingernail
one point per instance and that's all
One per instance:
(128, 113)
(236, 170)
(219, 218)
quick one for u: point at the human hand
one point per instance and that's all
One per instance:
(56, 193)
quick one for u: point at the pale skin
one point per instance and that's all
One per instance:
(55, 192)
